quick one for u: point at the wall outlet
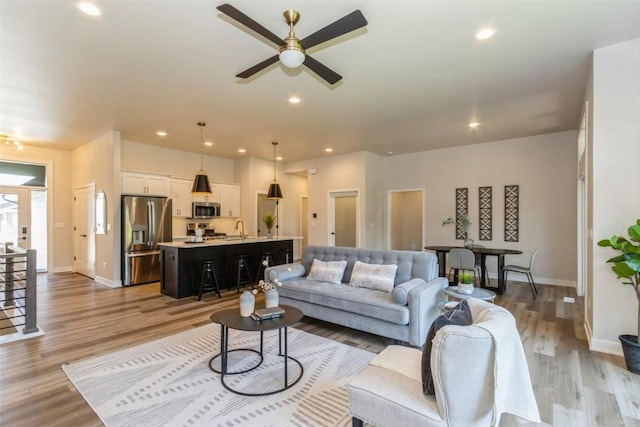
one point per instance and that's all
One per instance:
(569, 299)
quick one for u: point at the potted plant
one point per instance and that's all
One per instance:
(465, 282)
(269, 220)
(626, 266)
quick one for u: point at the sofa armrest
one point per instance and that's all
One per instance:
(424, 307)
(284, 272)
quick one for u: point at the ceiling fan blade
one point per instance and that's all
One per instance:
(344, 25)
(323, 71)
(234, 13)
(258, 67)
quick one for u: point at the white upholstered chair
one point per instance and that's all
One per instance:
(463, 259)
(474, 383)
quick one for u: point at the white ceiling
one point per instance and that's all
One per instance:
(412, 79)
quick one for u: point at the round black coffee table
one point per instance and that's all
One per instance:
(231, 319)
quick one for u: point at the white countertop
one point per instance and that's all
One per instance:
(222, 242)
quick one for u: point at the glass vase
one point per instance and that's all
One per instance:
(468, 243)
(247, 303)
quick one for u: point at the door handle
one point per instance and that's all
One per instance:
(23, 238)
(82, 235)
(333, 233)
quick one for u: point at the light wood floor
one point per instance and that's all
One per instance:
(81, 319)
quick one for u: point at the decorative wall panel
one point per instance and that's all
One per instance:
(485, 225)
(511, 213)
(462, 210)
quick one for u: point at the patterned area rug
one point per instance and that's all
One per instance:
(168, 382)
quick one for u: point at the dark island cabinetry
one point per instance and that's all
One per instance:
(182, 263)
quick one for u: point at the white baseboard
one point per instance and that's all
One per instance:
(107, 282)
(538, 280)
(63, 270)
(604, 346)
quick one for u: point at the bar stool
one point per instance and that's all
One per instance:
(268, 257)
(242, 266)
(288, 256)
(209, 281)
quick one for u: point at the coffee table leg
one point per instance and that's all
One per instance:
(261, 341)
(286, 358)
(223, 349)
(279, 342)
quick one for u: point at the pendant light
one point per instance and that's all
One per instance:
(201, 182)
(274, 188)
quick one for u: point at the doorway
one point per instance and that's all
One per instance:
(304, 223)
(265, 205)
(23, 220)
(84, 236)
(405, 227)
(342, 221)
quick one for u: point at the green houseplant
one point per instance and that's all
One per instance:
(465, 282)
(269, 220)
(626, 266)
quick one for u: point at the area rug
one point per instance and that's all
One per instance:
(168, 382)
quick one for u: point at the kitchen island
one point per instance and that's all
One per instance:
(182, 262)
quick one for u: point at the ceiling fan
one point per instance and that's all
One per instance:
(292, 49)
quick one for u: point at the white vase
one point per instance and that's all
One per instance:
(269, 235)
(247, 303)
(465, 288)
(271, 298)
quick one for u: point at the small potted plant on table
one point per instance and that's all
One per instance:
(465, 282)
(626, 266)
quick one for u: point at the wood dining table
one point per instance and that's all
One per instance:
(442, 251)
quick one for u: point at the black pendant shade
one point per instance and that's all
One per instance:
(201, 184)
(274, 191)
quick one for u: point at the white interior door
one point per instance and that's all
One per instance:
(265, 205)
(84, 230)
(342, 222)
(15, 216)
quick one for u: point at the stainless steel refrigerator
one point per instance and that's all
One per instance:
(146, 221)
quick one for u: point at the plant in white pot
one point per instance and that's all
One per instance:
(626, 266)
(269, 220)
(465, 282)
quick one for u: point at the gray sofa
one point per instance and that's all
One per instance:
(404, 314)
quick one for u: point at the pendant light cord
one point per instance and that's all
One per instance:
(274, 160)
(202, 125)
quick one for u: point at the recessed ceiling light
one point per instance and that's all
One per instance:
(294, 100)
(161, 133)
(89, 8)
(208, 143)
(474, 125)
(485, 33)
(328, 150)
(279, 158)
(242, 150)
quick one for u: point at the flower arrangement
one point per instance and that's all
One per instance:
(267, 286)
(465, 222)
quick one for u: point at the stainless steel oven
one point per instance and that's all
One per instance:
(204, 210)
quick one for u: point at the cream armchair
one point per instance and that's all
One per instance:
(479, 371)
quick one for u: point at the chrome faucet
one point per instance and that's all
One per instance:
(242, 235)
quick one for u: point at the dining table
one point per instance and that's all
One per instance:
(442, 251)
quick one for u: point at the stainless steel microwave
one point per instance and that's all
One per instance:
(204, 210)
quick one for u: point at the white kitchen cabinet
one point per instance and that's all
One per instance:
(229, 200)
(180, 193)
(137, 183)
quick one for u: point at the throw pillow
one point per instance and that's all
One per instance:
(329, 271)
(459, 315)
(379, 277)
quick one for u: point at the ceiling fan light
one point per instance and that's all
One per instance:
(291, 57)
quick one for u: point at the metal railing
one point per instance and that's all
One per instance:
(18, 296)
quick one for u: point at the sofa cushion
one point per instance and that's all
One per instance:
(379, 277)
(362, 301)
(461, 316)
(329, 271)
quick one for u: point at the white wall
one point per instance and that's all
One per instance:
(545, 169)
(615, 149)
(98, 162)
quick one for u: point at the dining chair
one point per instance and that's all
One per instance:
(461, 259)
(524, 270)
(479, 264)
